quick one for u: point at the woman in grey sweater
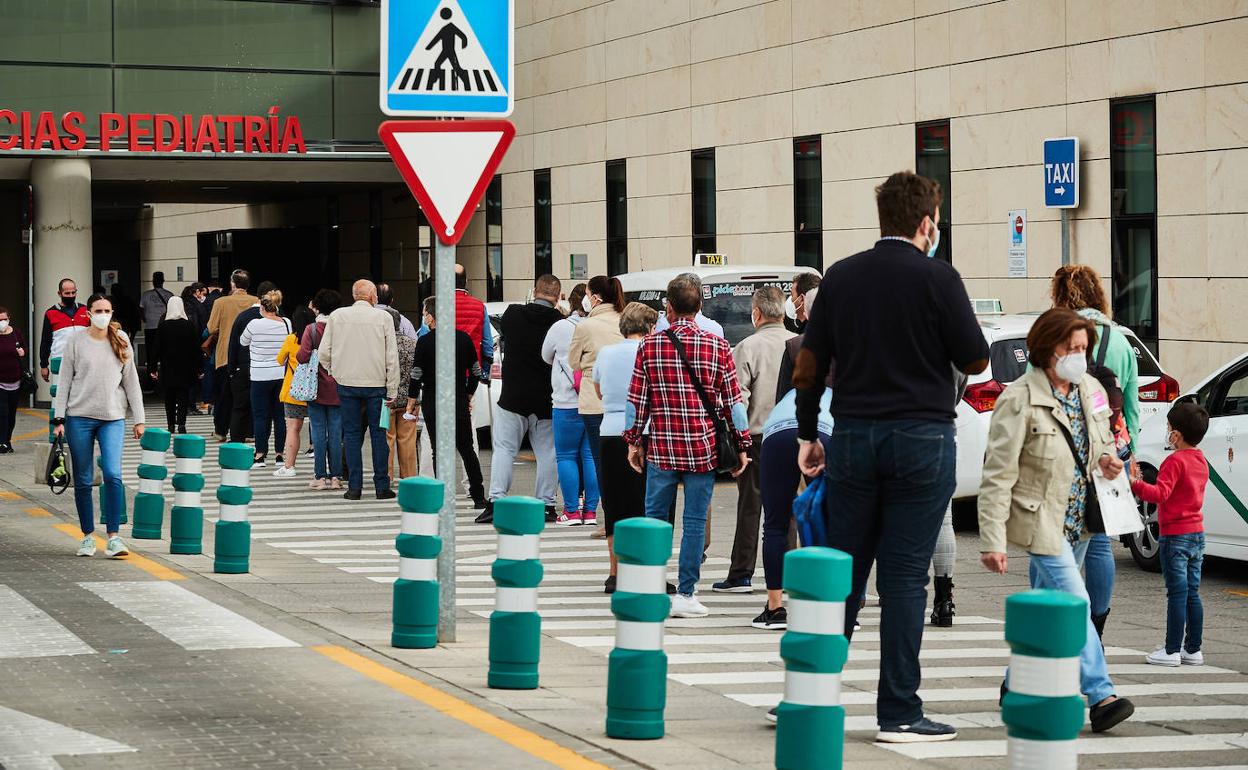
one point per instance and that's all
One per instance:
(97, 382)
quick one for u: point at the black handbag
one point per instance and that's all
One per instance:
(1092, 520)
(28, 384)
(727, 455)
(56, 474)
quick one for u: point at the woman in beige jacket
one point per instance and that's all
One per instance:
(1034, 494)
(604, 301)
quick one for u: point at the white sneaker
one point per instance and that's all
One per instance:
(688, 607)
(116, 547)
(87, 547)
(284, 473)
(1159, 657)
(257, 465)
(1192, 658)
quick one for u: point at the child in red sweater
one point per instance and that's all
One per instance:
(1180, 495)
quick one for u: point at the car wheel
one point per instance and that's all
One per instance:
(1144, 545)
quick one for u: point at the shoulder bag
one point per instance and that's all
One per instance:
(1092, 506)
(304, 382)
(727, 457)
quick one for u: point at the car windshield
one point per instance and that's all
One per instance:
(727, 303)
(1009, 359)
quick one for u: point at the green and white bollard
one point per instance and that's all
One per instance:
(232, 548)
(149, 504)
(99, 463)
(810, 720)
(186, 517)
(515, 625)
(415, 607)
(637, 668)
(1043, 710)
(54, 370)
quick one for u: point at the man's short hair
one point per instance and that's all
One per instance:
(240, 279)
(547, 285)
(158, 279)
(684, 294)
(770, 302)
(638, 318)
(461, 277)
(430, 307)
(804, 282)
(385, 294)
(60, 287)
(1190, 420)
(903, 200)
(362, 289)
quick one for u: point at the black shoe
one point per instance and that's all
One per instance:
(733, 586)
(772, 620)
(386, 494)
(1001, 700)
(609, 586)
(671, 589)
(1109, 715)
(480, 503)
(352, 494)
(278, 459)
(1099, 622)
(486, 516)
(5, 449)
(922, 730)
(771, 714)
(942, 604)
(551, 516)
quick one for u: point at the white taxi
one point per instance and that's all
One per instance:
(1224, 394)
(1007, 345)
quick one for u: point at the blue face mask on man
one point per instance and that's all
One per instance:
(931, 250)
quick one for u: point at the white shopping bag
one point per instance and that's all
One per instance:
(1118, 510)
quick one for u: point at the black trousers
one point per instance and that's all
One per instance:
(463, 444)
(9, 400)
(223, 406)
(240, 413)
(177, 403)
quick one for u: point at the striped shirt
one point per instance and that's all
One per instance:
(263, 338)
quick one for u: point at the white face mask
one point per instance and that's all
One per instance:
(564, 307)
(101, 320)
(790, 309)
(1071, 367)
(586, 305)
(4, 325)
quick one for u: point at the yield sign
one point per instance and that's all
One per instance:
(447, 165)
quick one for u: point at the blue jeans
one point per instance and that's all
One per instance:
(1096, 556)
(326, 432)
(660, 494)
(1181, 560)
(81, 433)
(889, 482)
(360, 405)
(267, 415)
(572, 454)
(1061, 573)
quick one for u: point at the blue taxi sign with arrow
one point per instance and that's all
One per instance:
(1061, 173)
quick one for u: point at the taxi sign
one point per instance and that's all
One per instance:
(1061, 173)
(709, 260)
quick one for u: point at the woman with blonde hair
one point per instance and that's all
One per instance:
(264, 337)
(97, 383)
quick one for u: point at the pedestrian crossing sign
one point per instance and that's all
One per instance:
(447, 58)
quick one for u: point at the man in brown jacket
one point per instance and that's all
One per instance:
(220, 322)
(758, 365)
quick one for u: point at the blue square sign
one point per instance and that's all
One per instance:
(1061, 173)
(447, 58)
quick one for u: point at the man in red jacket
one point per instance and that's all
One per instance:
(59, 321)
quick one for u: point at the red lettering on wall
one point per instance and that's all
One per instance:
(174, 134)
(292, 134)
(232, 124)
(254, 132)
(9, 142)
(140, 128)
(112, 126)
(45, 131)
(207, 134)
(72, 126)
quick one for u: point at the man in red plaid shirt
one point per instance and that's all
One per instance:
(680, 445)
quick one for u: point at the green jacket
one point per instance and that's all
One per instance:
(1120, 357)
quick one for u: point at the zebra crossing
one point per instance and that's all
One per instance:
(1202, 710)
(181, 616)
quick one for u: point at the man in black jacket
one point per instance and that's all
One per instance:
(421, 396)
(897, 323)
(524, 406)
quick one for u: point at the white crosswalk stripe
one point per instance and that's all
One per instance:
(1203, 710)
(29, 632)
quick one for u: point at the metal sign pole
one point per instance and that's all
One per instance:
(1065, 237)
(444, 428)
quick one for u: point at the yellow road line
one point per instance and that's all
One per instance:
(528, 742)
(34, 412)
(152, 568)
(7, 495)
(36, 511)
(32, 434)
(1237, 593)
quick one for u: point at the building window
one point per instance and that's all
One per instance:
(931, 159)
(808, 202)
(704, 201)
(542, 259)
(617, 217)
(1133, 215)
(494, 240)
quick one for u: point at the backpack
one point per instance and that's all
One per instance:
(303, 383)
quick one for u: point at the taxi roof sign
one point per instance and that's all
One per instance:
(709, 260)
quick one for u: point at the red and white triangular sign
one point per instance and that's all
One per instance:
(447, 164)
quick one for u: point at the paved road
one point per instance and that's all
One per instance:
(321, 569)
